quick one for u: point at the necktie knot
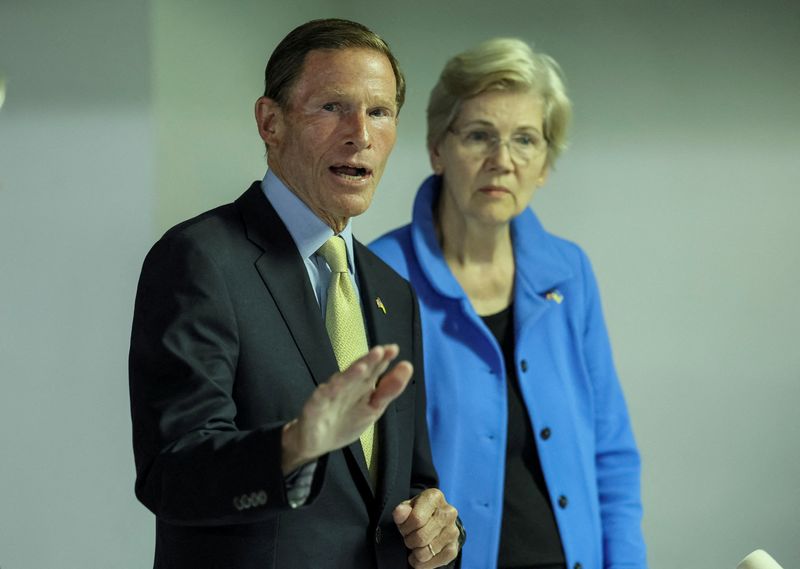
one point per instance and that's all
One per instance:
(335, 253)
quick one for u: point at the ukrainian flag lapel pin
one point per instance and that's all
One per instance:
(555, 295)
(379, 304)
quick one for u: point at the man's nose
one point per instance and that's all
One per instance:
(358, 130)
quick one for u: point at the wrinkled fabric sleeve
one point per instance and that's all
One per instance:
(617, 459)
(193, 465)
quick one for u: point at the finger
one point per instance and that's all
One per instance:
(357, 378)
(440, 528)
(447, 538)
(377, 358)
(429, 558)
(366, 363)
(391, 351)
(424, 506)
(386, 352)
(380, 367)
(368, 368)
(391, 385)
(401, 511)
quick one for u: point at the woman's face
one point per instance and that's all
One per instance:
(493, 157)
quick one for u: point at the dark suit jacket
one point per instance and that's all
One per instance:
(228, 343)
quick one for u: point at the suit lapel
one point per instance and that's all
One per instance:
(285, 276)
(380, 331)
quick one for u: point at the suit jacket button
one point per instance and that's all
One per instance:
(523, 365)
(378, 534)
(261, 498)
(562, 502)
(545, 433)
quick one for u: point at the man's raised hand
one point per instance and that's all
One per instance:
(341, 409)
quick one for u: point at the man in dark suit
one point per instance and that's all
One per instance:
(257, 443)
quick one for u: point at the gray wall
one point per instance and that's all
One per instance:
(681, 182)
(76, 213)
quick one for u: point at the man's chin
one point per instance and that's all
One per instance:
(353, 205)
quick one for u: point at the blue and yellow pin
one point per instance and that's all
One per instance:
(379, 304)
(555, 295)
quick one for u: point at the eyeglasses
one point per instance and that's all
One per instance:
(481, 142)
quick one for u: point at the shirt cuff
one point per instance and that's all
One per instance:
(298, 484)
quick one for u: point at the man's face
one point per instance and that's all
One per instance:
(330, 142)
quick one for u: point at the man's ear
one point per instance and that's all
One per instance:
(269, 119)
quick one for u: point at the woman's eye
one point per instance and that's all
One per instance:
(527, 140)
(329, 107)
(478, 136)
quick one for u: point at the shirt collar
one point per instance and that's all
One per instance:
(308, 231)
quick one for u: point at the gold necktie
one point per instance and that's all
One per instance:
(346, 328)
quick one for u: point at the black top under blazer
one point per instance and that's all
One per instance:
(228, 342)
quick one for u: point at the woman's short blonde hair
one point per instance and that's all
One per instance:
(501, 64)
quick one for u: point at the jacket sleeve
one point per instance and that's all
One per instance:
(193, 465)
(617, 459)
(424, 474)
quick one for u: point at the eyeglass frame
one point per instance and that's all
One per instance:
(495, 141)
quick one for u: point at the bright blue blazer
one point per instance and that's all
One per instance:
(567, 378)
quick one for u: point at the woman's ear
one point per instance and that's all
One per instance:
(540, 181)
(436, 160)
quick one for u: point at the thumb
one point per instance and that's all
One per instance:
(401, 512)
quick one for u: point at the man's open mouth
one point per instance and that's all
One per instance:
(353, 172)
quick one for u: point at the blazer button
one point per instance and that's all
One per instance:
(577, 566)
(241, 502)
(545, 433)
(378, 535)
(562, 501)
(524, 365)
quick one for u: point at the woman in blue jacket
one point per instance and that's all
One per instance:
(527, 420)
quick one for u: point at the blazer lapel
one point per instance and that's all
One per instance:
(380, 331)
(285, 276)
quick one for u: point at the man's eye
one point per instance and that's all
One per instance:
(330, 107)
(381, 113)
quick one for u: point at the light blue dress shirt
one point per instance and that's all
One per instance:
(309, 233)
